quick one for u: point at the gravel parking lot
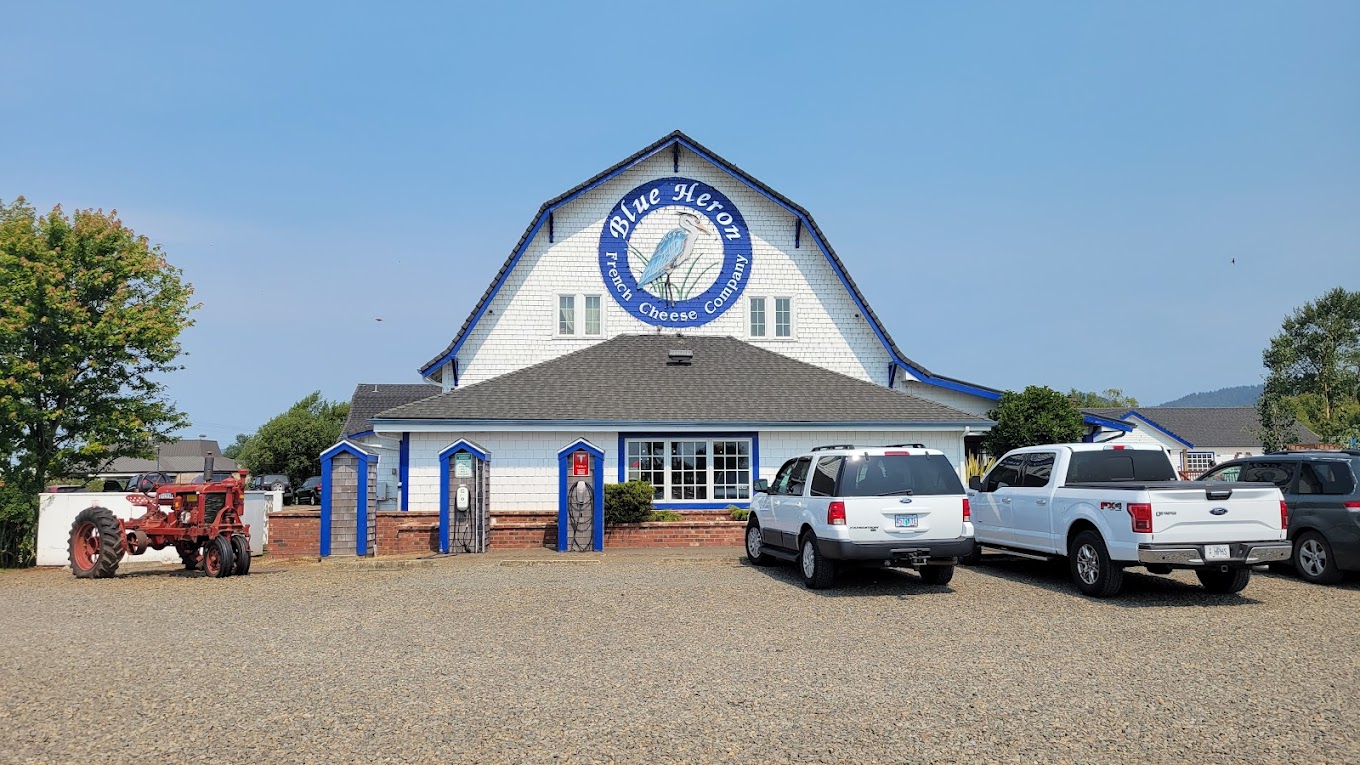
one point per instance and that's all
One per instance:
(669, 656)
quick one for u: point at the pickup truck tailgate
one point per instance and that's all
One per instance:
(1220, 512)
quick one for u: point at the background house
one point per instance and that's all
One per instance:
(1197, 438)
(183, 459)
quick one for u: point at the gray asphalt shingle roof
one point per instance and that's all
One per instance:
(1207, 426)
(371, 398)
(182, 456)
(629, 378)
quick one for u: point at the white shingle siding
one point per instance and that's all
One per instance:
(524, 467)
(518, 327)
(963, 401)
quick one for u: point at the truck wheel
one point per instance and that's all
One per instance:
(96, 545)
(240, 551)
(1313, 559)
(1092, 570)
(938, 575)
(755, 546)
(818, 572)
(217, 557)
(1224, 582)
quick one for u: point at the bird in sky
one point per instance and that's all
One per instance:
(1234, 261)
(674, 250)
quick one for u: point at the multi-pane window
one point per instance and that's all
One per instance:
(589, 324)
(566, 314)
(1198, 462)
(692, 469)
(757, 317)
(783, 317)
(647, 462)
(592, 315)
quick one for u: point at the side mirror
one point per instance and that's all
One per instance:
(975, 482)
(761, 485)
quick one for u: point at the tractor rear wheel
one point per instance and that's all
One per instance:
(96, 544)
(240, 548)
(217, 557)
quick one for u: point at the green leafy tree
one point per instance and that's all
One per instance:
(1314, 366)
(90, 315)
(1278, 421)
(1038, 415)
(1110, 397)
(292, 442)
(233, 450)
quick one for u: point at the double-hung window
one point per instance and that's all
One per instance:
(783, 317)
(579, 316)
(684, 469)
(757, 317)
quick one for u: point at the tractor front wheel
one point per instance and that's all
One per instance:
(240, 548)
(217, 557)
(96, 544)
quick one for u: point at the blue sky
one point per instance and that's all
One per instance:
(1028, 193)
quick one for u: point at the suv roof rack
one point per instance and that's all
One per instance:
(832, 446)
(905, 446)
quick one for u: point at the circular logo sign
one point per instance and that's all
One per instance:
(675, 252)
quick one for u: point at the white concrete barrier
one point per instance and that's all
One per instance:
(56, 513)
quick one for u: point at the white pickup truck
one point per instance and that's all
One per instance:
(1109, 506)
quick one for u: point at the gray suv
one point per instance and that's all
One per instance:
(1323, 495)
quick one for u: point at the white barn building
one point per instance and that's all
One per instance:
(676, 320)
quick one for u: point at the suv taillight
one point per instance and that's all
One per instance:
(1352, 505)
(1284, 514)
(1141, 513)
(835, 514)
(967, 511)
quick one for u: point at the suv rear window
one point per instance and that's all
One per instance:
(1326, 478)
(1120, 465)
(875, 476)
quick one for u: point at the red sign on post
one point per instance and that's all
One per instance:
(580, 464)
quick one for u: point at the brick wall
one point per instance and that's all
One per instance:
(295, 533)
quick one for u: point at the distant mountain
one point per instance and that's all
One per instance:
(1241, 395)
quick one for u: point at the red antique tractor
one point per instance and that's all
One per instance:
(204, 521)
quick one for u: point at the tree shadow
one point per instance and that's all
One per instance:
(1141, 590)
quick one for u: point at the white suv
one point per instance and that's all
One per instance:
(899, 505)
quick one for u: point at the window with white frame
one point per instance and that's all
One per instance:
(691, 469)
(757, 317)
(1198, 462)
(783, 317)
(579, 316)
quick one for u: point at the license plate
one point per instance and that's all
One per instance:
(909, 521)
(1217, 552)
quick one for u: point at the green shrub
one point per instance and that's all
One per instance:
(738, 513)
(18, 517)
(666, 515)
(629, 502)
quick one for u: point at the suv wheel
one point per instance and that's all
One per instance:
(1092, 570)
(1313, 559)
(818, 572)
(755, 546)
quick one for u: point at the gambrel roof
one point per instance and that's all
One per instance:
(675, 142)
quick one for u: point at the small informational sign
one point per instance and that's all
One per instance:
(580, 464)
(462, 465)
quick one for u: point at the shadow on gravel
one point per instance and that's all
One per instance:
(180, 573)
(1140, 590)
(1351, 580)
(857, 582)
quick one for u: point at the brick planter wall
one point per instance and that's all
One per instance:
(295, 533)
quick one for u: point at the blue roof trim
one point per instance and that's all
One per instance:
(581, 443)
(1156, 426)
(345, 446)
(1106, 422)
(464, 445)
(614, 424)
(680, 139)
(361, 435)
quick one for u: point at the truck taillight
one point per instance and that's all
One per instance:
(967, 511)
(1284, 513)
(835, 514)
(1141, 513)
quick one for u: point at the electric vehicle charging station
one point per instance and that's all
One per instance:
(580, 514)
(464, 507)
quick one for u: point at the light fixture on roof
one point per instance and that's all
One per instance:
(680, 357)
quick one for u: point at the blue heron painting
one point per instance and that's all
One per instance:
(674, 250)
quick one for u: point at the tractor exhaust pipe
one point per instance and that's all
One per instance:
(208, 467)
